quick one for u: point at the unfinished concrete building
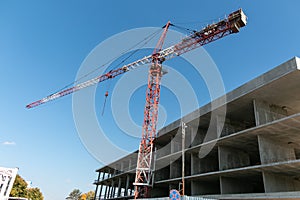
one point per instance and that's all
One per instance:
(257, 155)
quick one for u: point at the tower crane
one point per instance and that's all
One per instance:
(145, 164)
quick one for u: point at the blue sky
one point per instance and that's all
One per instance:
(43, 43)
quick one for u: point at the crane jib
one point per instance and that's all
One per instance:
(210, 33)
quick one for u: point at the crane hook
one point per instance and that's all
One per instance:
(106, 95)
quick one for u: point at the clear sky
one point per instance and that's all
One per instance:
(43, 44)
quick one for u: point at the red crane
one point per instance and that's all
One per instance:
(215, 31)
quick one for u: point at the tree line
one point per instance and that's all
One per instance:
(20, 189)
(76, 194)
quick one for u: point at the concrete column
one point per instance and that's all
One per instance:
(99, 176)
(100, 193)
(119, 187)
(122, 166)
(131, 191)
(279, 183)
(176, 146)
(115, 171)
(107, 192)
(112, 188)
(127, 185)
(272, 150)
(265, 112)
(232, 158)
(188, 136)
(96, 191)
(129, 164)
(103, 175)
(114, 192)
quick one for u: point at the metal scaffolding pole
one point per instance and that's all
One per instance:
(183, 126)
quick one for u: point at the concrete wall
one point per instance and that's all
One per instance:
(159, 191)
(266, 112)
(230, 157)
(176, 143)
(207, 164)
(195, 164)
(280, 183)
(162, 173)
(163, 150)
(196, 135)
(272, 150)
(235, 185)
(176, 169)
(205, 187)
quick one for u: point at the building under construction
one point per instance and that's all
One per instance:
(251, 151)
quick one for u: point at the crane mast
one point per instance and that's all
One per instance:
(144, 169)
(145, 162)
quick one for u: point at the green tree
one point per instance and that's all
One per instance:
(75, 194)
(19, 188)
(34, 194)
